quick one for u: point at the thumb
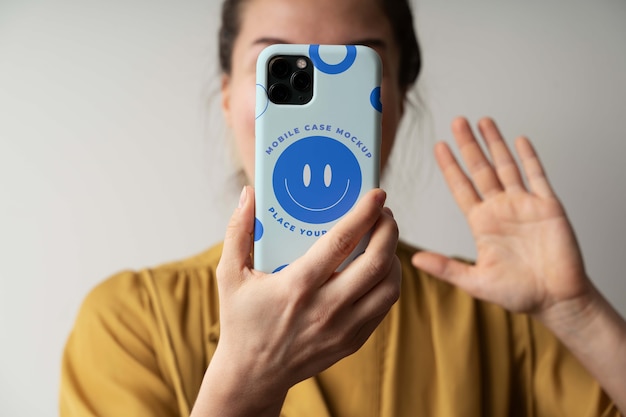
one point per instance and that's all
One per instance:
(238, 239)
(444, 268)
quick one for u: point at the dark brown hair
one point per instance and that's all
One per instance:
(397, 11)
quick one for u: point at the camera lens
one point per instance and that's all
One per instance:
(301, 81)
(280, 67)
(279, 93)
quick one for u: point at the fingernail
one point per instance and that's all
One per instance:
(380, 198)
(243, 197)
(388, 211)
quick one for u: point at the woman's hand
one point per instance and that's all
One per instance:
(528, 258)
(278, 329)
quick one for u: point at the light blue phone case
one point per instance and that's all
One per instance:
(314, 161)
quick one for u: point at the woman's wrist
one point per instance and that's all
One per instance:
(237, 388)
(571, 316)
(588, 325)
(596, 334)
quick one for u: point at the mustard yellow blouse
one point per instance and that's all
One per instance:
(142, 341)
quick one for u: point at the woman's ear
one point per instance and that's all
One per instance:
(226, 93)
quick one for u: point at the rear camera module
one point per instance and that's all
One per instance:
(290, 79)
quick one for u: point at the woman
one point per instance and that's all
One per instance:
(310, 342)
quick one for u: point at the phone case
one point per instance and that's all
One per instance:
(314, 161)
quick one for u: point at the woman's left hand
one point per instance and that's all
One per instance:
(528, 259)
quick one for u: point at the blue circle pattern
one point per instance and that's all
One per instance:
(258, 230)
(332, 69)
(267, 101)
(375, 100)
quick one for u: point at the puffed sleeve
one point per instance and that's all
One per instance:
(110, 365)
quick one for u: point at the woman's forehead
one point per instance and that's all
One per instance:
(302, 20)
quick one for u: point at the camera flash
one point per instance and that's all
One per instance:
(301, 63)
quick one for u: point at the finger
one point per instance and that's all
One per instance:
(366, 271)
(461, 187)
(354, 333)
(479, 167)
(383, 295)
(329, 251)
(363, 333)
(507, 170)
(537, 180)
(238, 239)
(445, 268)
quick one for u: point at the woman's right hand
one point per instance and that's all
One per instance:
(278, 329)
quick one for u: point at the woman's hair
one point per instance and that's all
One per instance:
(397, 11)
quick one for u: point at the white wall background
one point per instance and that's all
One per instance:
(108, 154)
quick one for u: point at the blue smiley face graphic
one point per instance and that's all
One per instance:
(317, 179)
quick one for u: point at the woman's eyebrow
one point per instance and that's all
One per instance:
(371, 42)
(269, 41)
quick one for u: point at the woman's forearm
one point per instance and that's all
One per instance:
(596, 334)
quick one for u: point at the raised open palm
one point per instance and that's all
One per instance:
(527, 255)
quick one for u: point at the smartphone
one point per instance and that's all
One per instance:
(318, 134)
